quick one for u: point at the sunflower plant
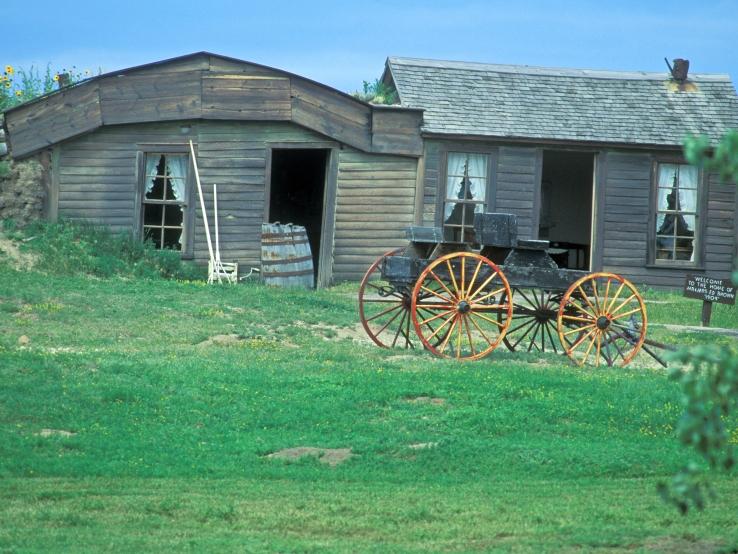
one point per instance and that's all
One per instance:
(20, 85)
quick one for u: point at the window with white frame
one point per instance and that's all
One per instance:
(677, 214)
(465, 194)
(165, 200)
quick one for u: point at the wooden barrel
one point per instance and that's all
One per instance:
(286, 259)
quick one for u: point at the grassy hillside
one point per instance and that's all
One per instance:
(139, 414)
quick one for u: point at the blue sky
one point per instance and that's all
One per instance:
(342, 43)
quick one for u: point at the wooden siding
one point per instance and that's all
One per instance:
(394, 130)
(208, 87)
(374, 205)
(42, 123)
(518, 182)
(331, 113)
(150, 97)
(246, 97)
(431, 181)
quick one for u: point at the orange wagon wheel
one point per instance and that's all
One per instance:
(602, 318)
(459, 307)
(384, 310)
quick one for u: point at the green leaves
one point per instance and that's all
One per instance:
(724, 158)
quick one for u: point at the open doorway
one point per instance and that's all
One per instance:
(567, 182)
(297, 191)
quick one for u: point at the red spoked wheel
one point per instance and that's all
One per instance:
(602, 318)
(384, 310)
(533, 327)
(459, 308)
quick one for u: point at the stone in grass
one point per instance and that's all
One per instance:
(23, 340)
(422, 445)
(55, 433)
(330, 456)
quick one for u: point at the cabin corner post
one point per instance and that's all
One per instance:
(535, 215)
(419, 190)
(325, 263)
(597, 240)
(52, 194)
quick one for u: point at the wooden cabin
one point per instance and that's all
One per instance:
(588, 160)
(280, 148)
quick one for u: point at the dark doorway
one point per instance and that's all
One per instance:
(567, 182)
(297, 191)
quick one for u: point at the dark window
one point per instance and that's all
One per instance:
(165, 200)
(465, 194)
(677, 214)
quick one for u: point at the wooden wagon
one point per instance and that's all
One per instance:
(462, 299)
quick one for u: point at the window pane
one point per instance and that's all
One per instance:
(155, 189)
(153, 234)
(665, 224)
(176, 165)
(176, 189)
(173, 216)
(684, 249)
(688, 177)
(686, 225)
(687, 200)
(154, 164)
(152, 214)
(665, 200)
(668, 175)
(449, 208)
(173, 238)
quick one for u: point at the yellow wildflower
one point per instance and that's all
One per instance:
(9, 69)
(19, 93)
(56, 77)
(7, 85)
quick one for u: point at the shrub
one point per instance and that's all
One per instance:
(377, 93)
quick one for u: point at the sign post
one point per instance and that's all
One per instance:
(709, 290)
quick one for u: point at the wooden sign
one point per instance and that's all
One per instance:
(706, 288)
(709, 290)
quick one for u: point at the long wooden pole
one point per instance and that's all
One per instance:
(215, 211)
(202, 205)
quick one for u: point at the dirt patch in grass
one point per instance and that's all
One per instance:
(333, 332)
(684, 545)
(425, 400)
(18, 259)
(223, 340)
(329, 456)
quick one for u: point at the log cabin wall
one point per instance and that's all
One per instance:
(627, 217)
(97, 180)
(624, 210)
(515, 178)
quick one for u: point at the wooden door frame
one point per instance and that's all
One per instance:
(597, 204)
(328, 223)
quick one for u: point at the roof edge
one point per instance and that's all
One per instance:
(550, 71)
(180, 58)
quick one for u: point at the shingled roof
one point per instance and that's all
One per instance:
(524, 102)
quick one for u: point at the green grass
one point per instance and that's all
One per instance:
(532, 455)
